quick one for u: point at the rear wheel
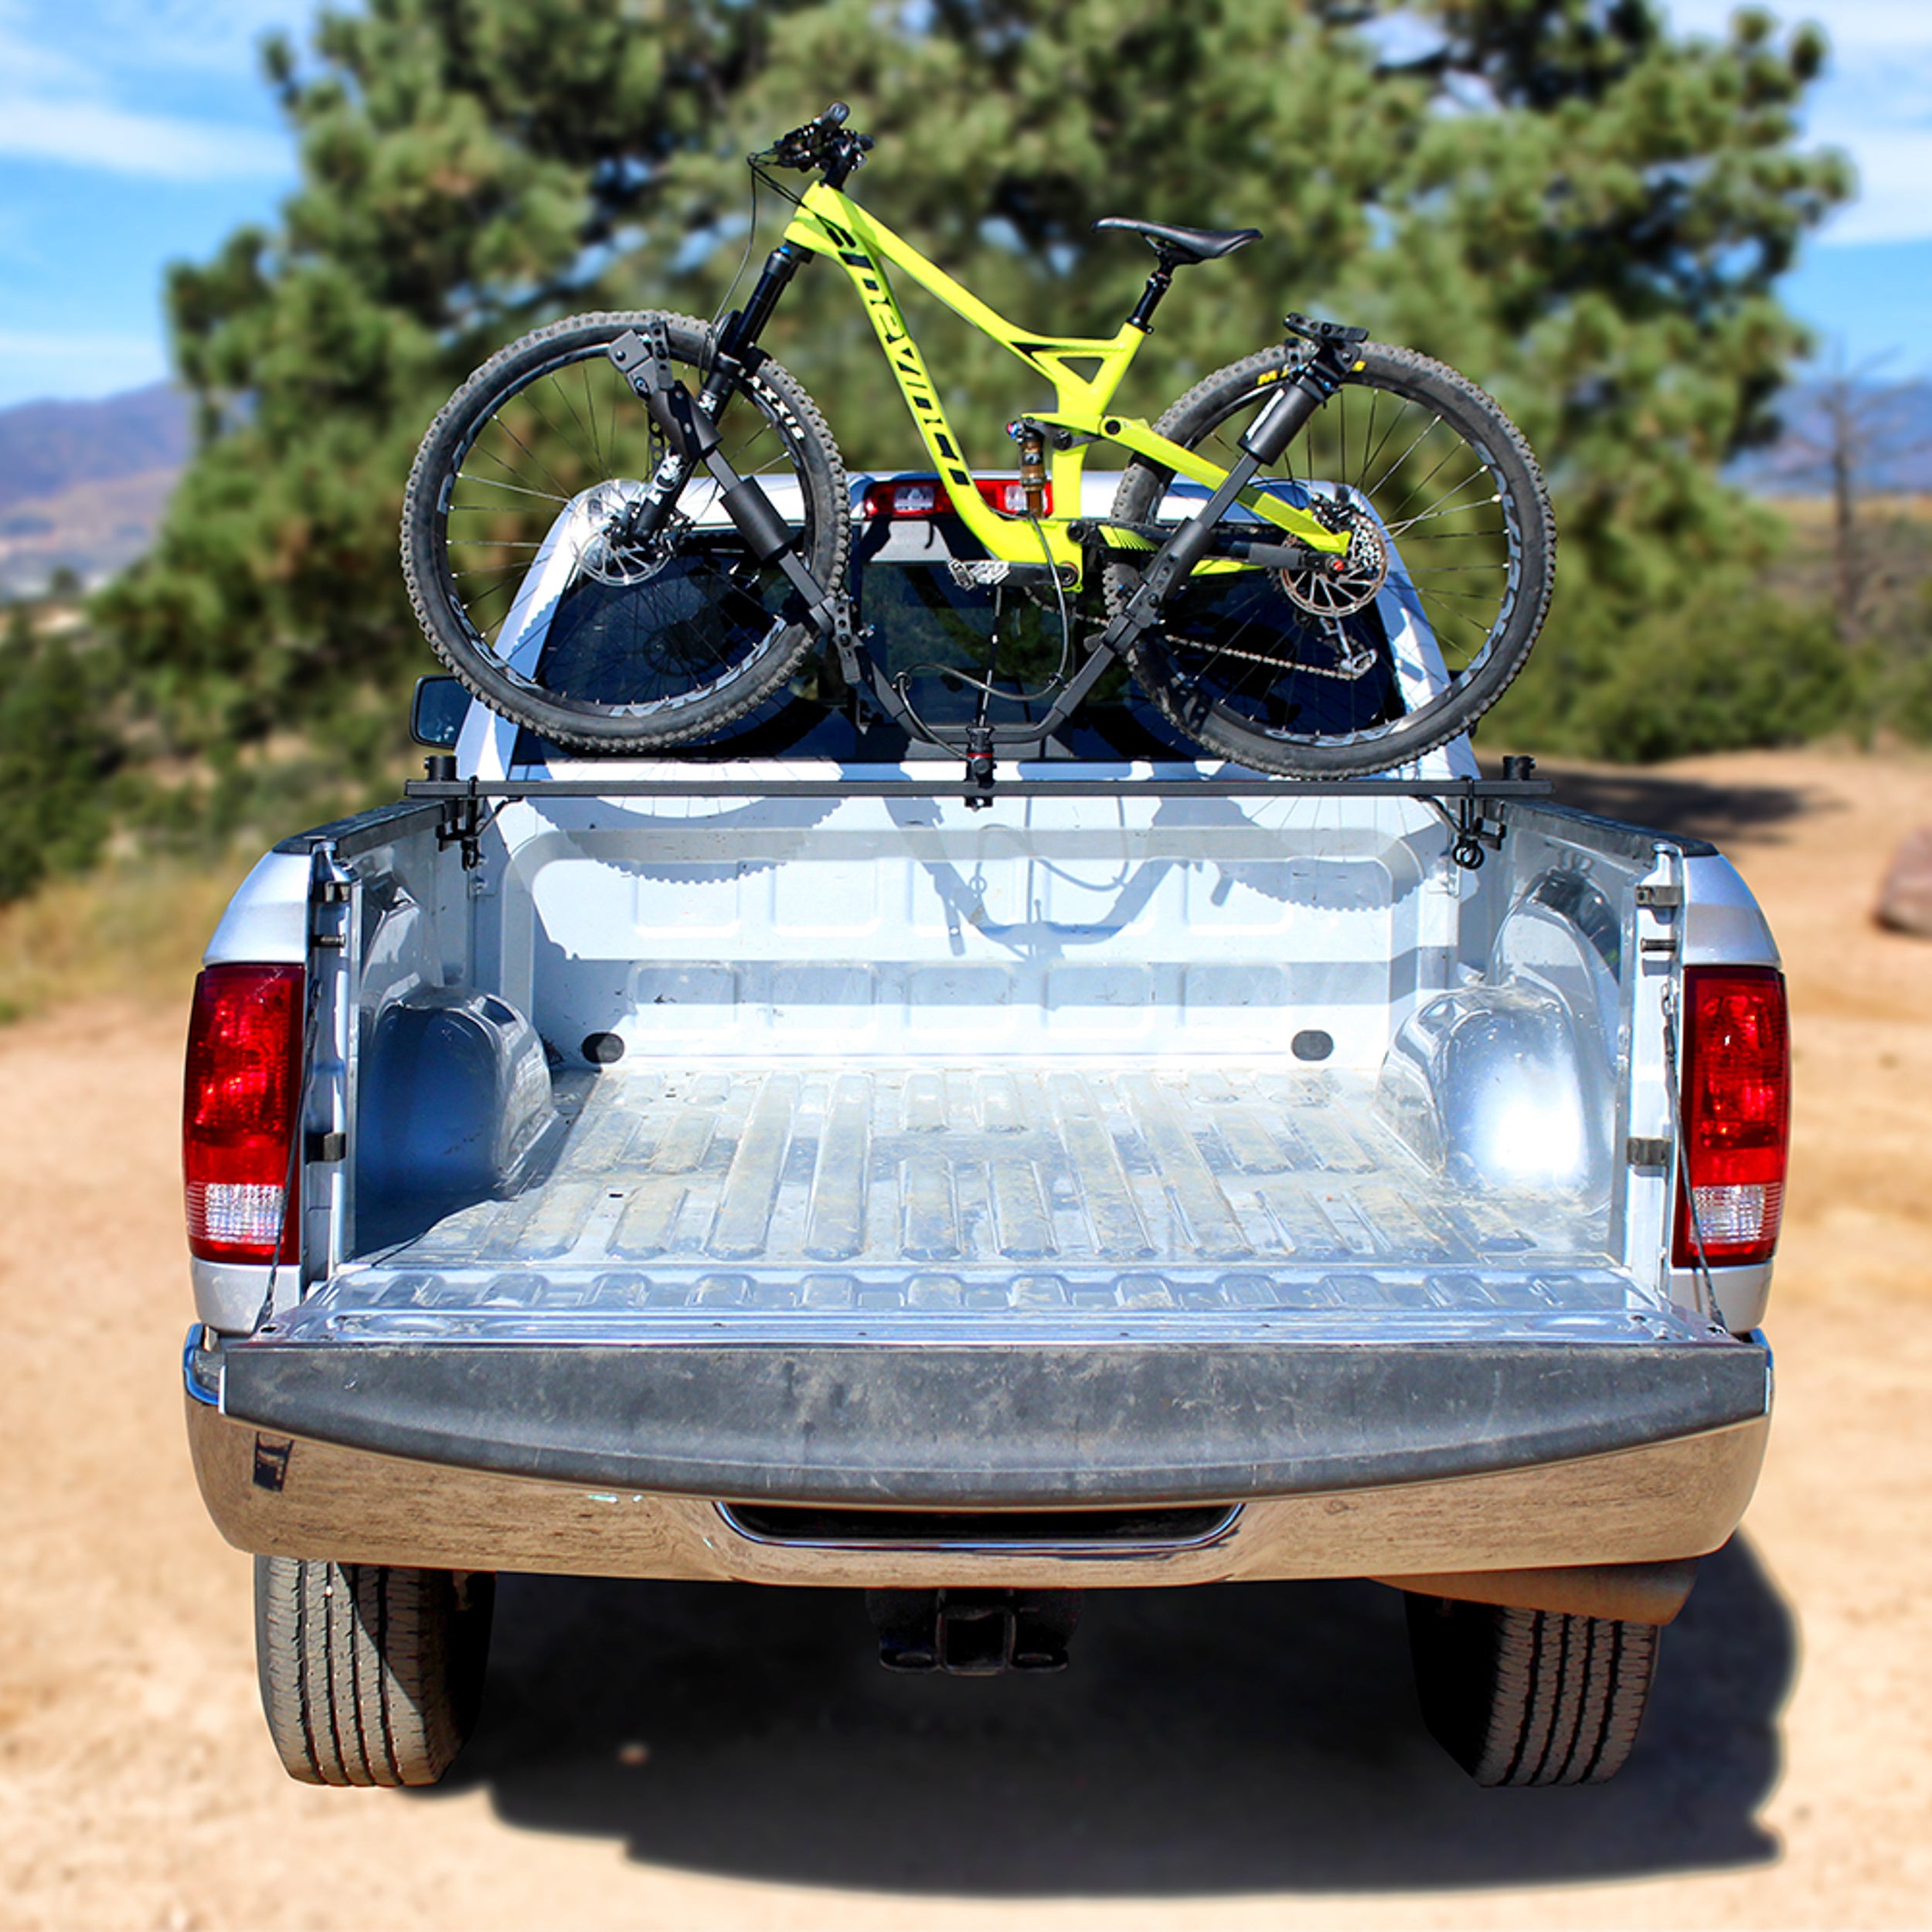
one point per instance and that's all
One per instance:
(1530, 1696)
(1330, 673)
(369, 1674)
(518, 550)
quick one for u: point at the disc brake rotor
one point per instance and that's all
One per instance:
(1340, 586)
(613, 556)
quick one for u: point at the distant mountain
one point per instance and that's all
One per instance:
(48, 448)
(93, 529)
(1891, 433)
(82, 484)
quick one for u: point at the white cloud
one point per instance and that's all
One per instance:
(84, 39)
(1894, 198)
(1850, 23)
(92, 134)
(145, 87)
(1874, 101)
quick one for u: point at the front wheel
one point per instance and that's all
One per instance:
(1452, 554)
(522, 544)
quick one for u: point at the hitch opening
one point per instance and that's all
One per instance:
(973, 1632)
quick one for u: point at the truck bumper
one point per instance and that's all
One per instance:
(282, 1496)
(1397, 1459)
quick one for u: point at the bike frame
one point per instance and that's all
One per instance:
(829, 222)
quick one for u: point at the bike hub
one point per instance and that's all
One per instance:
(1338, 586)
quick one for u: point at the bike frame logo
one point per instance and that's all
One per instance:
(901, 352)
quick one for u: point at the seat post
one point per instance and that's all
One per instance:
(1158, 284)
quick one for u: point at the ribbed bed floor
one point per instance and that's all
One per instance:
(1042, 1187)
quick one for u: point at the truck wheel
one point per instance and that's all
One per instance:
(1530, 1696)
(369, 1675)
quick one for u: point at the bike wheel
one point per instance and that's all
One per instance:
(515, 551)
(1315, 673)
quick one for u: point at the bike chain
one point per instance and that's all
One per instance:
(1303, 670)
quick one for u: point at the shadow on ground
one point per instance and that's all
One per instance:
(1242, 1738)
(1691, 806)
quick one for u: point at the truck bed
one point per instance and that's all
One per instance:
(1021, 1190)
(818, 1145)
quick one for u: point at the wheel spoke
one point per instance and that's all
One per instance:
(1435, 422)
(496, 483)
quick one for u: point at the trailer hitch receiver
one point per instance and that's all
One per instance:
(973, 1632)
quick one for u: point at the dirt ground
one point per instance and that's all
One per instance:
(655, 1755)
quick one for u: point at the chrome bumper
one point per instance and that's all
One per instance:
(278, 1495)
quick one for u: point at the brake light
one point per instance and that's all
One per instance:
(1736, 1114)
(925, 498)
(238, 1112)
(907, 500)
(1008, 495)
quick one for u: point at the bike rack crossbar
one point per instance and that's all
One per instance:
(698, 787)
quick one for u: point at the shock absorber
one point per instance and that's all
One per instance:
(1033, 465)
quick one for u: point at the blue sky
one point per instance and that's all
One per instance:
(134, 132)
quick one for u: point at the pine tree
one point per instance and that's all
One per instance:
(1584, 212)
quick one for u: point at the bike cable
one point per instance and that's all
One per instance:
(902, 679)
(744, 261)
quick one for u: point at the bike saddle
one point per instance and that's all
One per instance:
(1177, 247)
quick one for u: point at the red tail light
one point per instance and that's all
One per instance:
(238, 1112)
(1737, 1113)
(923, 497)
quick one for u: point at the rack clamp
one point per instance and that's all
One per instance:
(979, 768)
(1477, 835)
(462, 820)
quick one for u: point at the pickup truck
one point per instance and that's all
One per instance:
(791, 1162)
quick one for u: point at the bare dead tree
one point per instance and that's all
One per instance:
(1856, 429)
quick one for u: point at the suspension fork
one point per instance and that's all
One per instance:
(688, 442)
(690, 426)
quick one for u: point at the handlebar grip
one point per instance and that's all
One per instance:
(835, 116)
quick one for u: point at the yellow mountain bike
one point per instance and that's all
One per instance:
(626, 531)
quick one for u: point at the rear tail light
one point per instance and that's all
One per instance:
(1008, 495)
(928, 496)
(907, 500)
(1737, 1116)
(239, 1113)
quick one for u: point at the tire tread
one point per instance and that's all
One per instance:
(370, 1675)
(1528, 1697)
(1207, 403)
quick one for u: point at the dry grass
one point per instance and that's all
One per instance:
(130, 930)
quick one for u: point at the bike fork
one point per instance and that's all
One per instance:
(691, 433)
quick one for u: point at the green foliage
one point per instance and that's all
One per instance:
(56, 754)
(1585, 212)
(1722, 672)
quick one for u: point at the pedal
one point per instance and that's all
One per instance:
(987, 573)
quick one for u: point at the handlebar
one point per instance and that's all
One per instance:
(821, 143)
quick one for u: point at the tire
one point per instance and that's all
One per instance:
(1245, 670)
(618, 648)
(1529, 1696)
(369, 1675)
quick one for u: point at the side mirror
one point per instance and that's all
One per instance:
(436, 712)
